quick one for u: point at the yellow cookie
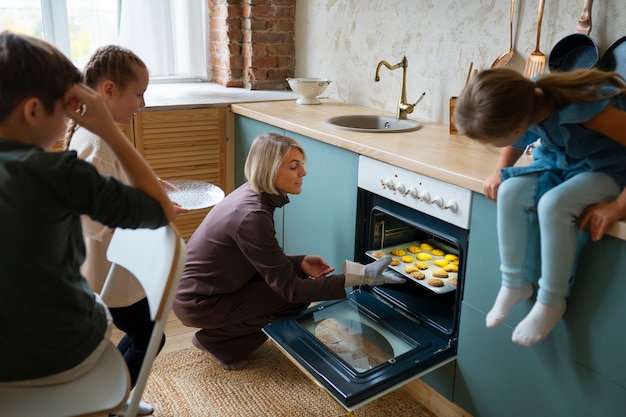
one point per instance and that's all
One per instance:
(398, 252)
(426, 246)
(394, 262)
(451, 257)
(421, 265)
(438, 252)
(440, 262)
(424, 256)
(451, 268)
(407, 259)
(414, 249)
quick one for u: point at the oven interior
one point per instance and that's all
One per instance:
(385, 224)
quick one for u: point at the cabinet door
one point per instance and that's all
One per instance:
(322, 219)
(578, 371)
(184, 144)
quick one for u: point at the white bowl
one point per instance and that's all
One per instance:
(307, 89)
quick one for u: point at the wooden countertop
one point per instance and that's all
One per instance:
(430, 150)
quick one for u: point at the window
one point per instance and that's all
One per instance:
(168, 35)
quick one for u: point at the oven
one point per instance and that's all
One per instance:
(382, 337)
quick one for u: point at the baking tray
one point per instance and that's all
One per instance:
(448, 285)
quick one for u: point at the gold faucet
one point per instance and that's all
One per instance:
(404, 108)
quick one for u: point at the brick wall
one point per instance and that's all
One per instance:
(251, 42)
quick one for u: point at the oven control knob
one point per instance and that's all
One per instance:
(437, 200)
(400, 188)
(424, 196)
(412, 191)
(388, 184)
(452, 206)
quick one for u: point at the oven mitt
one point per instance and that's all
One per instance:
(370, 274)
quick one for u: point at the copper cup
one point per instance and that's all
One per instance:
(453, 130)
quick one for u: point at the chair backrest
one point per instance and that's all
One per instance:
(155, 257)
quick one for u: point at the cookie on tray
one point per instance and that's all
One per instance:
(451, 268)
(435, 282)
(450, 257)
(437, 252)
(407, 259)
(440, 262)
(423, 256)
(398, 252)
(418, 275)
(426, 246)
(395, 262)
(414, 249)
(421, 265)
(440, 273)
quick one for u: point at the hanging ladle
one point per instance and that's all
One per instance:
(506, 56)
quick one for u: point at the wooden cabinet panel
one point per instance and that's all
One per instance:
(184, 144)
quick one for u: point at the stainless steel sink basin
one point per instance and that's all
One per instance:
(373, 124)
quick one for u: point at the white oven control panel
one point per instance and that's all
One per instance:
(436, 198)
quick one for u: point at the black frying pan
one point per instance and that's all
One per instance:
(614, 59)
(578, 50)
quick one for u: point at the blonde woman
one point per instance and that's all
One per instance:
(237, 277)
(579, 117)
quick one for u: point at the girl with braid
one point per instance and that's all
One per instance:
(576, 176)
(121, 78)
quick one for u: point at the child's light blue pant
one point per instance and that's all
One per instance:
(557, 212)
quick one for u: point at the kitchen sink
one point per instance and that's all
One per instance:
(373, 123)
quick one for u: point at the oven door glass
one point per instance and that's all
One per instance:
(359, 348)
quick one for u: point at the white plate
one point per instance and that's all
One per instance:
(193, 195)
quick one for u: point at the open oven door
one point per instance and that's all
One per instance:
(360, 348)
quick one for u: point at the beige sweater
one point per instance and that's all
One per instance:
(126, 291)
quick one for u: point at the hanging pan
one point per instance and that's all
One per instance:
(614, 59)
(578, 50)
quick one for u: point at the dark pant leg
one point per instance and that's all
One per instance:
(135, 322)
(231, 323)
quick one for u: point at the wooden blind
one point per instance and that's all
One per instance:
(184, 144)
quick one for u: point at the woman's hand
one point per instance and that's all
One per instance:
(315, 266)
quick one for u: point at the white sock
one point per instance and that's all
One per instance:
(505, 301)
(537, 324)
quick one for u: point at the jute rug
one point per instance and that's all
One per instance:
(186, 383)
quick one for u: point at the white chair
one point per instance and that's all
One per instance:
(101, 390)
(156, 257)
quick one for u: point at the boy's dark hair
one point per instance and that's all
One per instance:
(31, 67)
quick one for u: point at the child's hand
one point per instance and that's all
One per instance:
(491, 185)
(598, 218)
(178, 209)
(89, 110)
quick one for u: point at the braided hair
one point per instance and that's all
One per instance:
(110, 62)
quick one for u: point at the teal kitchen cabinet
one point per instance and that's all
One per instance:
(321, 220)
(578, 371)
